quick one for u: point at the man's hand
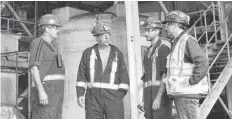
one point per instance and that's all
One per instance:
(81, 101)
(156, 104)
(43, 98)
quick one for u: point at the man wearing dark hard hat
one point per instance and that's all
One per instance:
(157, 104)
(48, 71)
(187, 66)
(103, 71)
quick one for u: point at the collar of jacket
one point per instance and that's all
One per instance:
(112, 51)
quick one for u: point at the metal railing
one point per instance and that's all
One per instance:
(216, 30)
(16, 54)
(217, 27)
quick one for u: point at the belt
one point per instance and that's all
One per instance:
(51, 77)
(151, 83)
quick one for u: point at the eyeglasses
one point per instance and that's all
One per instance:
(149, 29)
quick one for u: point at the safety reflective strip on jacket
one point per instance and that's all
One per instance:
(114, 69)
(92, 65)
(111, 85)
(175, 63)
(102, 85)
(152, 83)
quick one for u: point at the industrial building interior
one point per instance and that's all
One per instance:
(210, 25)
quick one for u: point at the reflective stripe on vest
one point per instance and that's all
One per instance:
(103, 85)
(163, 42)
(92, 65)
(152, 83)
(175, 63)
(114, 68)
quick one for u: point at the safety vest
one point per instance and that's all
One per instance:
(155, 82)
(179, 72)
(109, 85)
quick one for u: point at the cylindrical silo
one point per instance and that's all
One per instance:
(74, 37)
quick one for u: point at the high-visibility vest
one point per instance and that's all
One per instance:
(179, 72)
(109, 85)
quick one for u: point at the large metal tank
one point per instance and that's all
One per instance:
(74, 37)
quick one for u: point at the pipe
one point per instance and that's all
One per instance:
(163, 7)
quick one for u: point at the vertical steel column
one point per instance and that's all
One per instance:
(214, 20)
(17, 78)
(221, 19)
(36, 15)
(29, 91)
(206, 50)
(195, 31)
(133, 34)
(8, 25)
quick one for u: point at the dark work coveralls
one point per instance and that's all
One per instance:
(44, 55)
(105, 89)
(156, 64)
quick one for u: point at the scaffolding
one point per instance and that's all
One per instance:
(16, 64)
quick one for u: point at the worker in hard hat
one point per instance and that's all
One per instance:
(157, 104)
(103, 75)
(187, 66)
(48, 71)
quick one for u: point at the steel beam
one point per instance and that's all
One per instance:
(17, 17)
(163, 7)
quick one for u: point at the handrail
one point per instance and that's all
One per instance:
(219, 53)
(205, 31)
(228, 8)
(199, 18)
(18, 20)
(215, 32)
(12, 53)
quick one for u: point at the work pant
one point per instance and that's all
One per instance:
(108, 106)
(55, 92)
(187, 108)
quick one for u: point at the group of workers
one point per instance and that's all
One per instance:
(103, 80)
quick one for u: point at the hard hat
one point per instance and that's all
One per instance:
(99, 28)
(177, 16)
(151, 23)
(49, 19)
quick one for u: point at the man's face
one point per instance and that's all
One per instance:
(170, 28)
(103, 39)
(151, 33)
(53, 30)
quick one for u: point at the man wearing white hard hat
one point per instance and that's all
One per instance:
(48, 71)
